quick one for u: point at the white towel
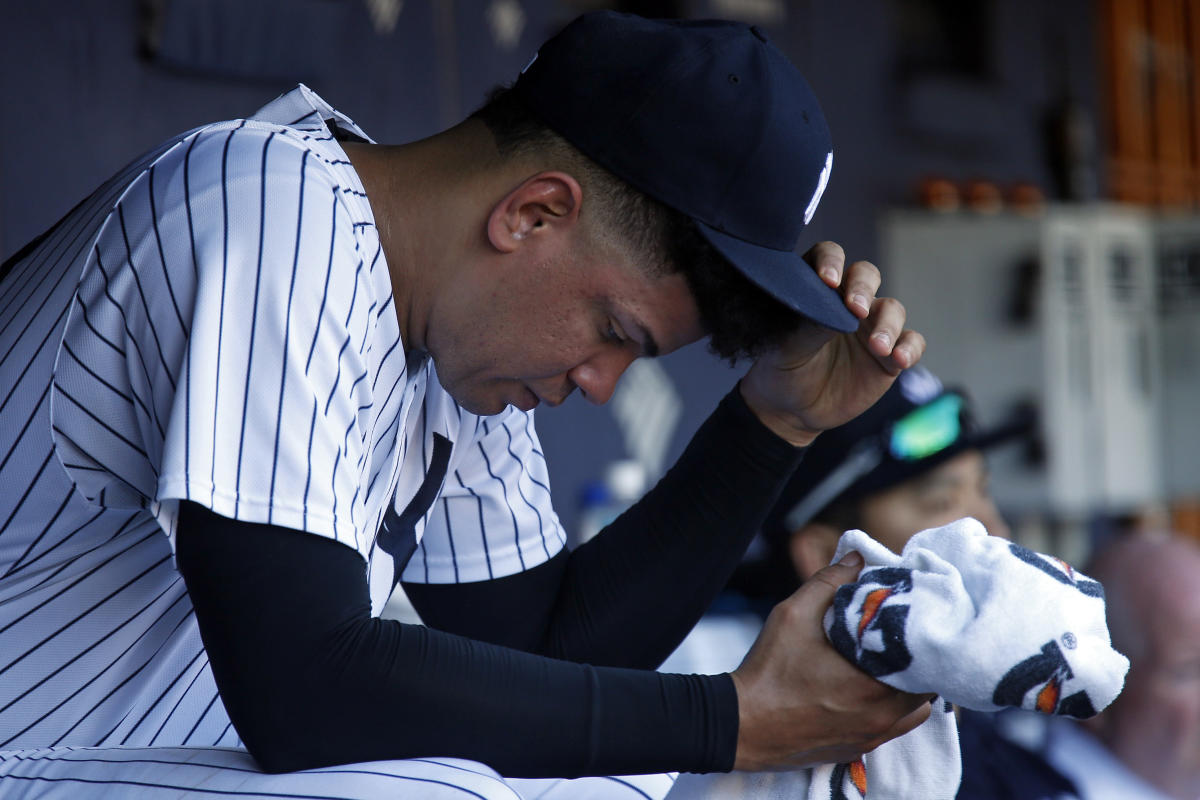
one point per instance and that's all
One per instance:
(978, 620)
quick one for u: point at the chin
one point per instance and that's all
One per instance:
(485, 406)
(481, 408)
(475, 402)
(488, 398)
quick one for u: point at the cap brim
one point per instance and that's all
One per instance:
(891, 472)
(785, 276)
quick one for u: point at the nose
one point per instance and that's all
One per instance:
(597, 377)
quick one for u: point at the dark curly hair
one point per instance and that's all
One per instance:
(741, 319)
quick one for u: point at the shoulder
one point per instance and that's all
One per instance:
(240, 153)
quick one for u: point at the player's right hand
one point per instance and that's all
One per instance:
(800, 703)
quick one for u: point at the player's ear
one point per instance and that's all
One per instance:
(545, 204)
(812, 547)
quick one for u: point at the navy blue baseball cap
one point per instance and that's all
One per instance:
(709, 118)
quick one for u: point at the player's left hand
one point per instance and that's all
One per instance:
(819, 378)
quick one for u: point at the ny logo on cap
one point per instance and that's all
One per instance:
(821, 183)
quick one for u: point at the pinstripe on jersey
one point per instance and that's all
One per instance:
(172, 773)
(216, 323)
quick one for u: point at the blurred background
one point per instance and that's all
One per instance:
(1026, 175)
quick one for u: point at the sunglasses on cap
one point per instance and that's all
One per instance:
(922, 433)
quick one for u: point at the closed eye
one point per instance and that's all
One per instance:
(613, 335)
(616, 334)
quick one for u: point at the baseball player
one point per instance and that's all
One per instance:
(271, 369)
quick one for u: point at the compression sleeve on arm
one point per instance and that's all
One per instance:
(638, 588)
(309, 678)
(629, 596)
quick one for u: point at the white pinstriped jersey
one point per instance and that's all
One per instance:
(216, 323)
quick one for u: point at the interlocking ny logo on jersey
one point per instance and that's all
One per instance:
(398, 532)
(872, 634)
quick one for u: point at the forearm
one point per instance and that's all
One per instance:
(389, 690)
(632, 593)
(310, 679)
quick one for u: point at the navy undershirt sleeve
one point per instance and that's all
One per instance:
(309, 678)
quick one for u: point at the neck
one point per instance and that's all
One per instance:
(426, 200)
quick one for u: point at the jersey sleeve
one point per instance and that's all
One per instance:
(494, 516)
(229, 297)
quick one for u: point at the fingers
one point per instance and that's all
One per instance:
(807, 605)
(828, 259)
(825, 581)
(893, 346)
(920, 712)
(909, 349)
(860, 283)
(885, 326)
